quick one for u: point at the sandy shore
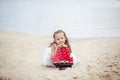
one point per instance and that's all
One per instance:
(21, 54)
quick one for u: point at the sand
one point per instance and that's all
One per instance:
(21, 55)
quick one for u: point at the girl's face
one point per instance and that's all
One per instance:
(60, 38)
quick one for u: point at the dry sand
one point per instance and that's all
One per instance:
(21, 55)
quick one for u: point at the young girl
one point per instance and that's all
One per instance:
(59, 47)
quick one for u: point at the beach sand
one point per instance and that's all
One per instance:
(21, 55)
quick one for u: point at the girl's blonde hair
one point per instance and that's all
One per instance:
(66, 42)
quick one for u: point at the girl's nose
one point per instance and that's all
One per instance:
(60, 40)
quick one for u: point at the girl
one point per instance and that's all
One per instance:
(53, 53)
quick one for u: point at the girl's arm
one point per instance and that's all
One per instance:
(53, 50)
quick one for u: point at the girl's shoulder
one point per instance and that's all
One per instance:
(54, 45)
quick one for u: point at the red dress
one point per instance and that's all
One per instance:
(63, 54)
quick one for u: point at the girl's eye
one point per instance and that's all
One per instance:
(61, 37)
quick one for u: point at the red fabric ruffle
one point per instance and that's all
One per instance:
(63, 54)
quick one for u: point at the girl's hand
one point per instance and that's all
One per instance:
(59, 45)
(64, 45)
